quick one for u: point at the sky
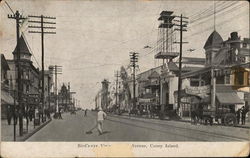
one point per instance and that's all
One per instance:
(93, 38)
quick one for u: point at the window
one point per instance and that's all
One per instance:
(227, 79)
(239, 78)
(244, 45)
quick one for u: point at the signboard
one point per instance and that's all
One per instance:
(141, 100)
(201, 91)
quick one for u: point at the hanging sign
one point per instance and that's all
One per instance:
(198, 91)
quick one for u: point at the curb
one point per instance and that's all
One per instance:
(33, 132)
(187, 121)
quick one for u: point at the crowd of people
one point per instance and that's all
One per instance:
(28, 114)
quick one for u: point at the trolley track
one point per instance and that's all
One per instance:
(177, 129)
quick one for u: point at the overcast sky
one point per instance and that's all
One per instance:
(94, 38)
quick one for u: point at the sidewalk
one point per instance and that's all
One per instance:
(247, 125)
(184, 119)
(7, 131)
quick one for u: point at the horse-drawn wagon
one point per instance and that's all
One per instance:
(225, 114)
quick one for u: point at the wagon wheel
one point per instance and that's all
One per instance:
(230, 119)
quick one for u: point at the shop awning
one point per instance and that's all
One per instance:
(229, 98)
(6, 98)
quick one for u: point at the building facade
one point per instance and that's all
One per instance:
(29, 77)
(224, 81)
(7, 100)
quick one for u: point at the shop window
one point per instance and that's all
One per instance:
(239, 78)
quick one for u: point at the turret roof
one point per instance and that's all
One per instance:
(23, 46)
(213, 40)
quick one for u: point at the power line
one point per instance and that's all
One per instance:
(211, 13)
(24, 37)
(223, 22)
(9, 7)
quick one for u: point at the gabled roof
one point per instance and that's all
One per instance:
(214, 40)
(23, 46)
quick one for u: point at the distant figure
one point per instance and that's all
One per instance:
(100, 118)
(60, 114)
(9, 114)
(85, 112)
(238, 115)
(243, 115)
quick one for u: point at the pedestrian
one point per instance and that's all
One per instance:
(9, 114)
(60, 114)
(243, 115)
(85, 113)
(101, 115)
(238, 115)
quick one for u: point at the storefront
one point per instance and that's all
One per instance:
(7, 104)
(192, 98)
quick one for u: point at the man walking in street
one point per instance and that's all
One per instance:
(85, 113)
(101, 115)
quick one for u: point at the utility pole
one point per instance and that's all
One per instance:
(49, 80)
(18, 17)
(181, 29)
(56, 70)
(133, 63)
(14, 113)
(42, 32)
(116, 90)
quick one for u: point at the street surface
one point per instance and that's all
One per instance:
(122, 128)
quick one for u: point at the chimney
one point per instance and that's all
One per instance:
(234, 36)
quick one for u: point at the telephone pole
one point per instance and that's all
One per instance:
(182, 27)
(133, 64)
(18, 17)
(42, 32)
(116, 90)
(56, 70)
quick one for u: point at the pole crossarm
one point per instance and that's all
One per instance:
(45, 22)
(40, 20)
(42, 32)
(46, 17)
(45, 27)
(181, 42)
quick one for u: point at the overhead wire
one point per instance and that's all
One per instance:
(223, 22)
